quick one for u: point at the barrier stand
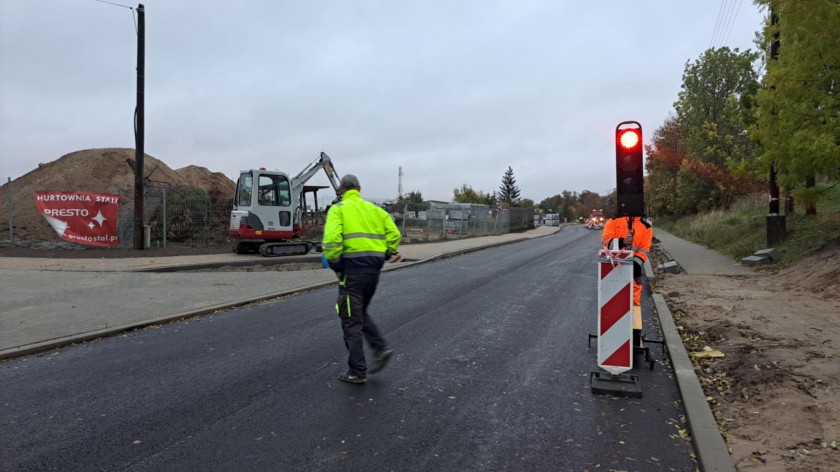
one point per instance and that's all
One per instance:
(639, 340)
(615, 326)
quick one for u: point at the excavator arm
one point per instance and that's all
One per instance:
(323, 162)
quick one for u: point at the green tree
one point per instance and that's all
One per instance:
(413, 199)
(590, 201)
(665, 155)
(799, 105)
(466, 194)
(553, 204)
(525, 203)
(714, 112)
(508, 191)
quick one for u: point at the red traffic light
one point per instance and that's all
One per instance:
(629, 168)
(628, 139)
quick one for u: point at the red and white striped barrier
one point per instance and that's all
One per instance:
(615, 311)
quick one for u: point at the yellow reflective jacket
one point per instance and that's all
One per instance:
(358, 235)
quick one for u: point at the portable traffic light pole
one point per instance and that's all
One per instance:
(615, 269)
(629, 169)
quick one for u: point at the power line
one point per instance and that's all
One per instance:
(723, 25)
(124, 6)
(732, 24)
(717, 24)
(116, 4)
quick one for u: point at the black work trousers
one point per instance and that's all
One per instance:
(354, 294)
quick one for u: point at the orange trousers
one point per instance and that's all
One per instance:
(637, 293)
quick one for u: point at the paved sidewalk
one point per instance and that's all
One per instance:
(698, 260)
(51, 302)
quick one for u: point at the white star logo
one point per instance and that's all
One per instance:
(98, 218)
(90, 225)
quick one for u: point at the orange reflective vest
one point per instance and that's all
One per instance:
(642, 234)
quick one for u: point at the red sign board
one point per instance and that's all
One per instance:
(81, 217)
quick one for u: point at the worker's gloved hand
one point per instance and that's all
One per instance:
(393, 256)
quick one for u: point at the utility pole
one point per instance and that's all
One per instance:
(138, 129)
(776, 227)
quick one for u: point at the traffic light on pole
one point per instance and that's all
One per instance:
(629, 170)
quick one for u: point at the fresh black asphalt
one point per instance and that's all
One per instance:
(491, 372)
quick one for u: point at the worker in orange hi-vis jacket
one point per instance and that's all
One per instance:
(636, 234)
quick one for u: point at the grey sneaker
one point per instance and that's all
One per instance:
(352, 377)
(380, 360)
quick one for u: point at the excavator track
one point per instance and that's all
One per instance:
(246, 247)
(284, 249)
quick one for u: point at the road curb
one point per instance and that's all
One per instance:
(712, 453)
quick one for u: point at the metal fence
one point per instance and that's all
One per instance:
(192, 217)
(432, 222)
(187, 217)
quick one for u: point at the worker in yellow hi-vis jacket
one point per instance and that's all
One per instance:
(358, 238)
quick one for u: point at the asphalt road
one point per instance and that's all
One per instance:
(491, 372)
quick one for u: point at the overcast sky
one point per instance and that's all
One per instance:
(452, 91)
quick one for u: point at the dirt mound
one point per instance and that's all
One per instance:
(817, 273)
(107, 170)
(212, 182)
(775, 392)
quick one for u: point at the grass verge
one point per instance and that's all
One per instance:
(741, 230)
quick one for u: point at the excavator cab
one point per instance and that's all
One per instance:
(263, 210)
(267, 211)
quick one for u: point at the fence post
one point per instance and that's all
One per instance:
(11, 215)
(205, 230)
(120, 223)
(405, 212)
(164, 217)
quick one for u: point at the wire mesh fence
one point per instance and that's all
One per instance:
(188, 217)
(437, 221)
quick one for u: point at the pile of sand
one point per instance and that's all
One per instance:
(109, 170)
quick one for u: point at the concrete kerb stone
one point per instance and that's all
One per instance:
(649, 274)
(751, 261)
(712, 453)
(269, 261)
(770, 253)
(672, 267)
